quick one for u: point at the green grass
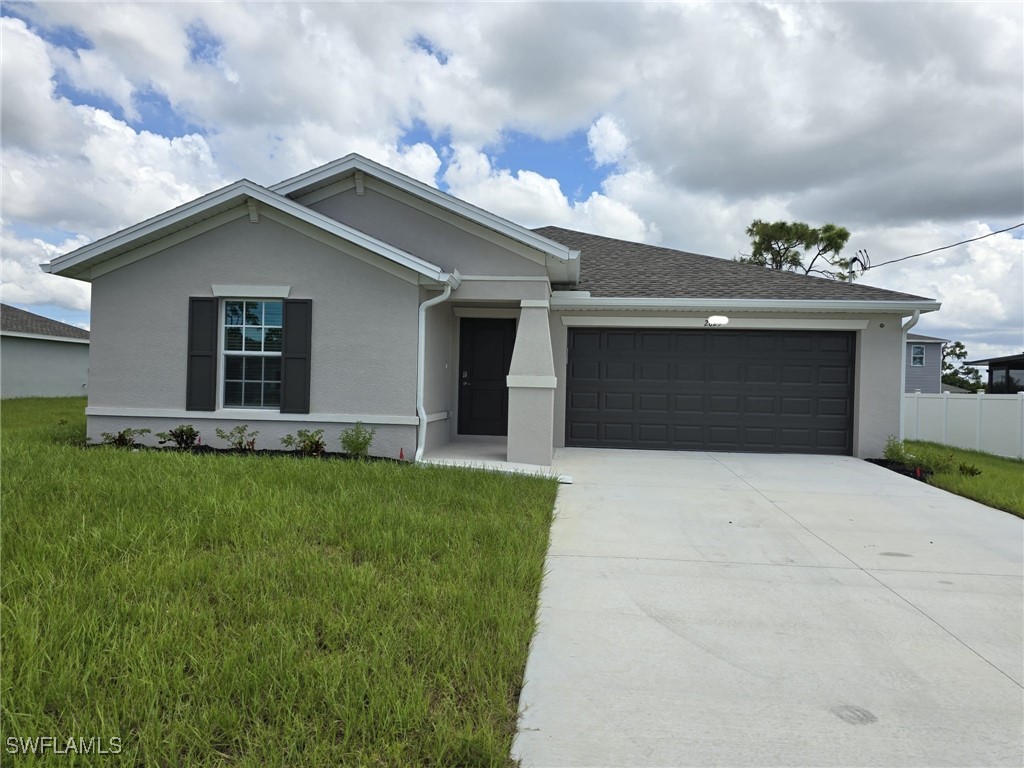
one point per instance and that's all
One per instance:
(1000, 484)
(250, 610)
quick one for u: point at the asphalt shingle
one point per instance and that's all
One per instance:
(619, 268)
(17, 320)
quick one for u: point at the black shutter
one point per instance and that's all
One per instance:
(295, 355)
(201, 392)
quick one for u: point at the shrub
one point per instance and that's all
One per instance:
(183, 436)
(306, 442)
(968, 470)
(356, 440)
(125, 438)
(894, 450)
(239, 437)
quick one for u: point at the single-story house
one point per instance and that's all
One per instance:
(40, 357)
(1005, 374)
(352, 292)
(924, 364)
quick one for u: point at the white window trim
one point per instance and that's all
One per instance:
(915, 354)
(222, 314)
(255, 292)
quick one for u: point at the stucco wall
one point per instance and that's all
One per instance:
(42, 368)
(424, 235)
(364, 320)
(439, 371)
(926, 378)
(877, 372)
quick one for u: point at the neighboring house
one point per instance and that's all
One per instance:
(40, 357)
(1005, 374)
(924, 364)
(352, 292)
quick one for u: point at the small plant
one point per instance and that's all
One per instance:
(306, 442)
(183, 436)
(968, 470)
(125, 438)
(239, 437)
(356, 440)
(894, 450)
(65, 433)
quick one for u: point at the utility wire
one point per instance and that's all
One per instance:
(945, 247)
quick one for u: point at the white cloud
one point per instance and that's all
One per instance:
(608, 144)
(21, 280)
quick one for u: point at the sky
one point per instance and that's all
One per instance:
(674, 124)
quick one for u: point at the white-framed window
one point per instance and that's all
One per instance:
(251, 349)
(917, 355)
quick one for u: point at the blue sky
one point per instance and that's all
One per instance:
(669, 124)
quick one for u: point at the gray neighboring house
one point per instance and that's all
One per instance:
(40, 357)
(924, 364)
(352, 292)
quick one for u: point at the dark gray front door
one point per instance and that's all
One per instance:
(711, 390)
(485, 354)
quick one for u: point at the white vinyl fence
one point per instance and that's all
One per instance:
(990, 423)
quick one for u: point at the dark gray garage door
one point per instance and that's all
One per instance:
(712, 390)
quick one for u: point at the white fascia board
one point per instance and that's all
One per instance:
(883, 306)
(43, 337)
(243, 191)
(415, 187)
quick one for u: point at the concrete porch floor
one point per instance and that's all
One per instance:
(485, 452)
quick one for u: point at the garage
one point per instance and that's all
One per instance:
(711, 390)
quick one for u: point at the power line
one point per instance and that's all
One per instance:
(945, 247)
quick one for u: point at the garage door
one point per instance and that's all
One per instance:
(711, 390)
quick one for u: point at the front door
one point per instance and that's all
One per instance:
(485, 355)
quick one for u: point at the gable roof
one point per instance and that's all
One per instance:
(18, 322)
(77, 263)
(926, 339)
(349, 165)
(612, 268)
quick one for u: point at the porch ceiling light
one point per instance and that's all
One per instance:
(716, 320)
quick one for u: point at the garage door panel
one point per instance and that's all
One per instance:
(711, 390)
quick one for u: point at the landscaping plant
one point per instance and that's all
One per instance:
(306, 442)
(183, 436)
(356, 440)
(239, 437)
(125, 438)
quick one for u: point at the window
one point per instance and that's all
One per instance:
(252, 353)
(917, 355)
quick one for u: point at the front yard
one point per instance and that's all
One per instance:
(999, 484)
(257, 610)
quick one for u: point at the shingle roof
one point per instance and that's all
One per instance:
(619, 268)
(17, 320)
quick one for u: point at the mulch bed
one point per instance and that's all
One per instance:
(915, 472)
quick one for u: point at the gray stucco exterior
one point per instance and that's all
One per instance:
(399, 246)
(927, 378)
(41, 367)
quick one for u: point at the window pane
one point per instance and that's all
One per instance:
(233, 368)
(1016, 382)
(232, 313)
(233, 339)
(253, 394)
(271, 394)
(233, 393)
(272, 340)
(253, 368)
(272, 369)
(272, 313)
(254, 313)
(253, 339)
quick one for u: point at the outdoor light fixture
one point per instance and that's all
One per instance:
(715, 321)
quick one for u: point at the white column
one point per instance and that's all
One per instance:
(531, 388)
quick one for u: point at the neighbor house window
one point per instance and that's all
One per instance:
(917, 355)
(252, 353)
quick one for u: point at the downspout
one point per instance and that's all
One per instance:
(421, 360)
(903, 364)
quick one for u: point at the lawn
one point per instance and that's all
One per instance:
(261, 610)
(1000, 484)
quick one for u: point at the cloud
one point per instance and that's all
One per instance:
(22, 282)
(607, 142)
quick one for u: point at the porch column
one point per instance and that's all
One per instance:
(531, 388)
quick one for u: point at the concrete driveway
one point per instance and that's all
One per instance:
(755, 610)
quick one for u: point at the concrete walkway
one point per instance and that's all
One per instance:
(752, 610)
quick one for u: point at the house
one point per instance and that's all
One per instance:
(923, 364)
(353, 292)
(40, 357)
(1005, 374)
